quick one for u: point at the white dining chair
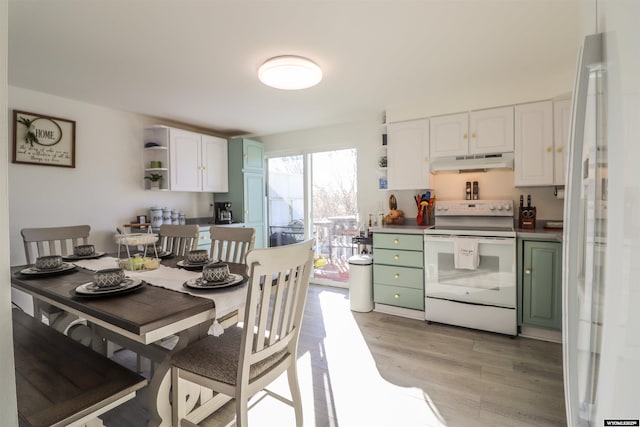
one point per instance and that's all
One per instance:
(245, 360)
(231, 244)
(179, 239)
(56, 241)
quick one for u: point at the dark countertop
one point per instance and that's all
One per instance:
(206, 222)
(540, 232)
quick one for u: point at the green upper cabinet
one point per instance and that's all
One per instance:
(247, 186)
(542, 284)
(253, 155)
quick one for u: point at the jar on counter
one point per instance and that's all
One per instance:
(182, 219)
(155, 217)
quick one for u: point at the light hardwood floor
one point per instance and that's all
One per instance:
(373, 369)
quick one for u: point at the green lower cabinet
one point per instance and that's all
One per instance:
(398, 272)
(542, 284)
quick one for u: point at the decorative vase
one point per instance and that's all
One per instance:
(155, 185)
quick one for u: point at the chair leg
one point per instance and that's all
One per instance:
(294, 387)
(242, 409)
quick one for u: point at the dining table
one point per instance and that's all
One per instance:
(140, 319)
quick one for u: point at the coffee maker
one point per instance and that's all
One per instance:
(223, 213)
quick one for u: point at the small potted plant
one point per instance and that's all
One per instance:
(155, 179)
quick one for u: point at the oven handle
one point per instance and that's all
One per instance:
(480, 239)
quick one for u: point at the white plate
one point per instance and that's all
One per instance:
(199, 283)
(37, 272)
(92, 290)
(74, 257)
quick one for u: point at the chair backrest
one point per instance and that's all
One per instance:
(53, 240)
(278, 285)
(179, 239)
(231, 244)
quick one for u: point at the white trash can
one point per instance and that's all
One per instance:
(361, 283)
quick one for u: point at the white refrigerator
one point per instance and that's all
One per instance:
(601, 266)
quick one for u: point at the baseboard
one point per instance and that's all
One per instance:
(542, 334)
(399, 311)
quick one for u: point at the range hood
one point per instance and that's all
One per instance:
(477, 162)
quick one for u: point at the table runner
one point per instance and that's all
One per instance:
(226, 300)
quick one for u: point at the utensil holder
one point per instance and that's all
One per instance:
(527, 218)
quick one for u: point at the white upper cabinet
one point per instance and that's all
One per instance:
(197, 162)
(534, 144)
(491, 131)
(449, 135)
(479, 132)
(408, 155)
(561, 119)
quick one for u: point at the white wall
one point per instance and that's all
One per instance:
(8, 406)
(104, 190)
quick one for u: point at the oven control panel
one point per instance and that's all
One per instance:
(474, 208)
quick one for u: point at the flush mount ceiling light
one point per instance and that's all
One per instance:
(290, 73)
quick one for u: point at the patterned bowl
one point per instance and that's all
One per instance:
(48, 262)
(199, 256)
(108, 278)
(84, 250)
(215, 272)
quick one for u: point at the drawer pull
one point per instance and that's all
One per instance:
(396, 296)
(396, 276)
(527, 271)
(396, 241)
(396, 257)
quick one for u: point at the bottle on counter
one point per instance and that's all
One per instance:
(476, 194)
(468, 191)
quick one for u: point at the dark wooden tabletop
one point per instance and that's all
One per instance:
(138, 312)
(59, 380)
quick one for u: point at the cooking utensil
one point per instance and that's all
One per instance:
(393, 202)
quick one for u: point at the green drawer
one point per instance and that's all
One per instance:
(409, 242)
(399, 296)
(398, 276)
(398, 257)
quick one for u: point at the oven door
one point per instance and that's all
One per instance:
(493, 282)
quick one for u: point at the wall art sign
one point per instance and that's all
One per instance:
(43, 140)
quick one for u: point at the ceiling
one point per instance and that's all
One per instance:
(196, 61)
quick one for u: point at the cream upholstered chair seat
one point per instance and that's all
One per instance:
(219, 358)
(245, 360)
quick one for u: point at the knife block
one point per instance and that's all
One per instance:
(527, 218)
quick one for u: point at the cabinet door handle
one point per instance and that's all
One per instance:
(549, 149)
(396, 276)
(527, 271)
(464, 136)
(559, 150)
(473, 135)
(396, 241)
(396, 296)
(396, 257)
